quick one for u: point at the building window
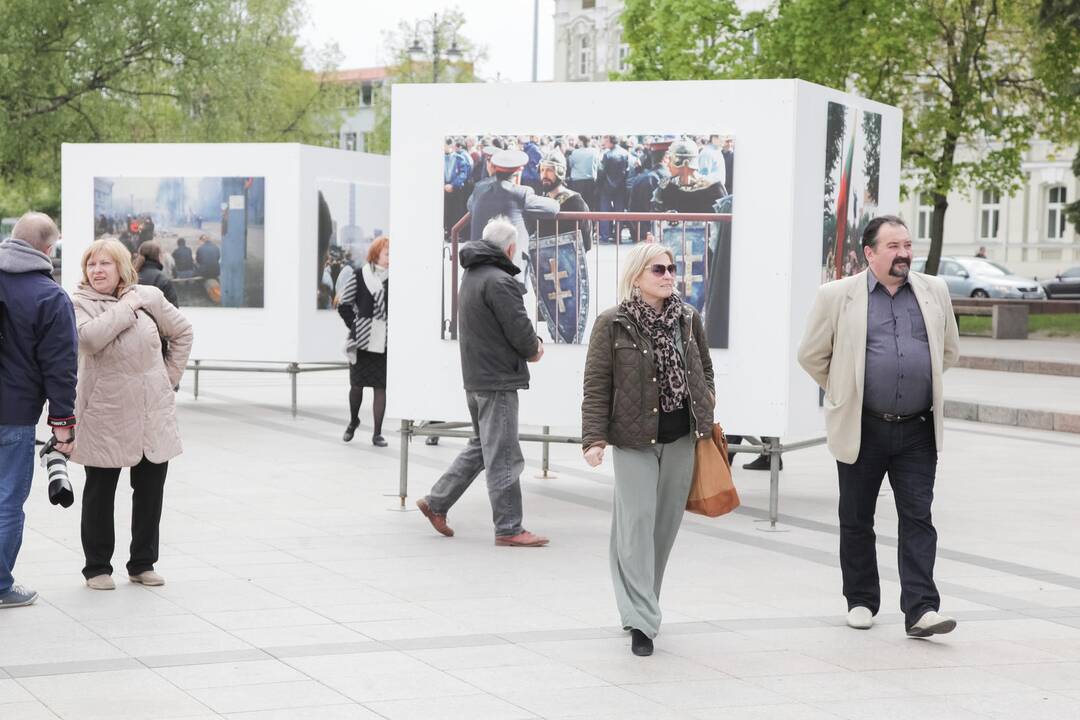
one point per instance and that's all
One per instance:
(350, 141)
(1055, 213)
(926, 212)
(584, 55)
(989, 215)
(352, 97)
(366, 91)
(588, 4)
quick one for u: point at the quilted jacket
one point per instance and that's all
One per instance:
(124, 399)
(621, 404)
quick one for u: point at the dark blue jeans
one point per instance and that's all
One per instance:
(907, 452)
(16, 477)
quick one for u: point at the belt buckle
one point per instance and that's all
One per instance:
(889, 417)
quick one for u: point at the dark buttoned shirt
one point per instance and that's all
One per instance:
(898, 376)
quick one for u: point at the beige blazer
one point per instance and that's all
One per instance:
(124, 400)
(833, 352)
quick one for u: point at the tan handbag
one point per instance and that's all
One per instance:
(712, 492)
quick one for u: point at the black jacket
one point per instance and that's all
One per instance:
(495, 335)
(208, 260)
(183, 258)
(150, 274)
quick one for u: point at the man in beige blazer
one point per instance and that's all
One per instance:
(877, 343)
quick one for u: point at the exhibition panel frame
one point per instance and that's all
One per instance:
(777, 229)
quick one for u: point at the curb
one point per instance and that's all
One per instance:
(1035, 367)
(1018, 417)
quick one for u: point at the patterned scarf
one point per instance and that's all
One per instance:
(660, 329)
(368, 332)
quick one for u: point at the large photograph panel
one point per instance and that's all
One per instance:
(350, 217)
(210, 228)
(851, 189)
(581, 202)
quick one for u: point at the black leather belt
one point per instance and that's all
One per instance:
(889, 417)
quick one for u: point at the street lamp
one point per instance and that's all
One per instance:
(419, 53)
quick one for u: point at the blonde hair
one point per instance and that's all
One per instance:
(119, 254)
(636, 262)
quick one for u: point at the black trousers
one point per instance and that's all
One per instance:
(908, 453)
(98, 529)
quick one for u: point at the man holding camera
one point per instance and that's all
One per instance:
(38, 362)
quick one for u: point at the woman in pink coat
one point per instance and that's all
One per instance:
(125, 405)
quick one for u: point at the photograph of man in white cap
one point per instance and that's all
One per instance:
(506, 196)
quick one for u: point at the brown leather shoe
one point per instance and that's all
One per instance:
(437, 521)
(522, 539)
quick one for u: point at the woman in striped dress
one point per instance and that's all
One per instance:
(363, 307)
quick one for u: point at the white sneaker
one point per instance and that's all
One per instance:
(932, 623)
(860, 618)
(147, 577)
(101, 582)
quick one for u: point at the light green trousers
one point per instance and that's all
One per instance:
(651, 487)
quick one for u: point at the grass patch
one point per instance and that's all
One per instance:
(1067, 325)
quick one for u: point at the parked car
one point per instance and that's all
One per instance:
(1065, 285)
(980, 278)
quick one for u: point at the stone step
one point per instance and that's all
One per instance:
(1013, 365)
(1034, 400)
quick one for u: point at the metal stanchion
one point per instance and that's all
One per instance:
(545, 456)
(773, 448)
(403, 467)
(292, 370)
(197, 379)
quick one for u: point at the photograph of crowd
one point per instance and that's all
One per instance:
(350, 217)
(580, 202)
(209, 232)
(852, 178)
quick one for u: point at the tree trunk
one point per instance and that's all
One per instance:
(937, 233)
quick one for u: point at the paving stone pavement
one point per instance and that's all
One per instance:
(297, 590)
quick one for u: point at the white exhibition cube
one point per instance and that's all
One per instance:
(272, 190)
(777, 258)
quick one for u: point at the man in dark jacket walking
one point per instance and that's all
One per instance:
(38, 362)
(496, 338)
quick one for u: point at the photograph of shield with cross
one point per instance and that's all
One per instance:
(852, 179)
(579, 203)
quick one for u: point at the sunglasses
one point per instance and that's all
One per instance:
(658, 270)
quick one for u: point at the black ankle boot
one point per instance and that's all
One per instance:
(350, 430)
(640, 644)
(378, 441)
(762, 462)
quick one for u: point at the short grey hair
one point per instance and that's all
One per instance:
(501, 232)
(36, 228)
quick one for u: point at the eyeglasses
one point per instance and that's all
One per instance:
(658, 270)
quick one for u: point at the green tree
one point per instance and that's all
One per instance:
(147, 71)
(965, 72)
(1059, 21)
(405, 70)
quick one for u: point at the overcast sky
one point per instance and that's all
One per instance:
(503, 26)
